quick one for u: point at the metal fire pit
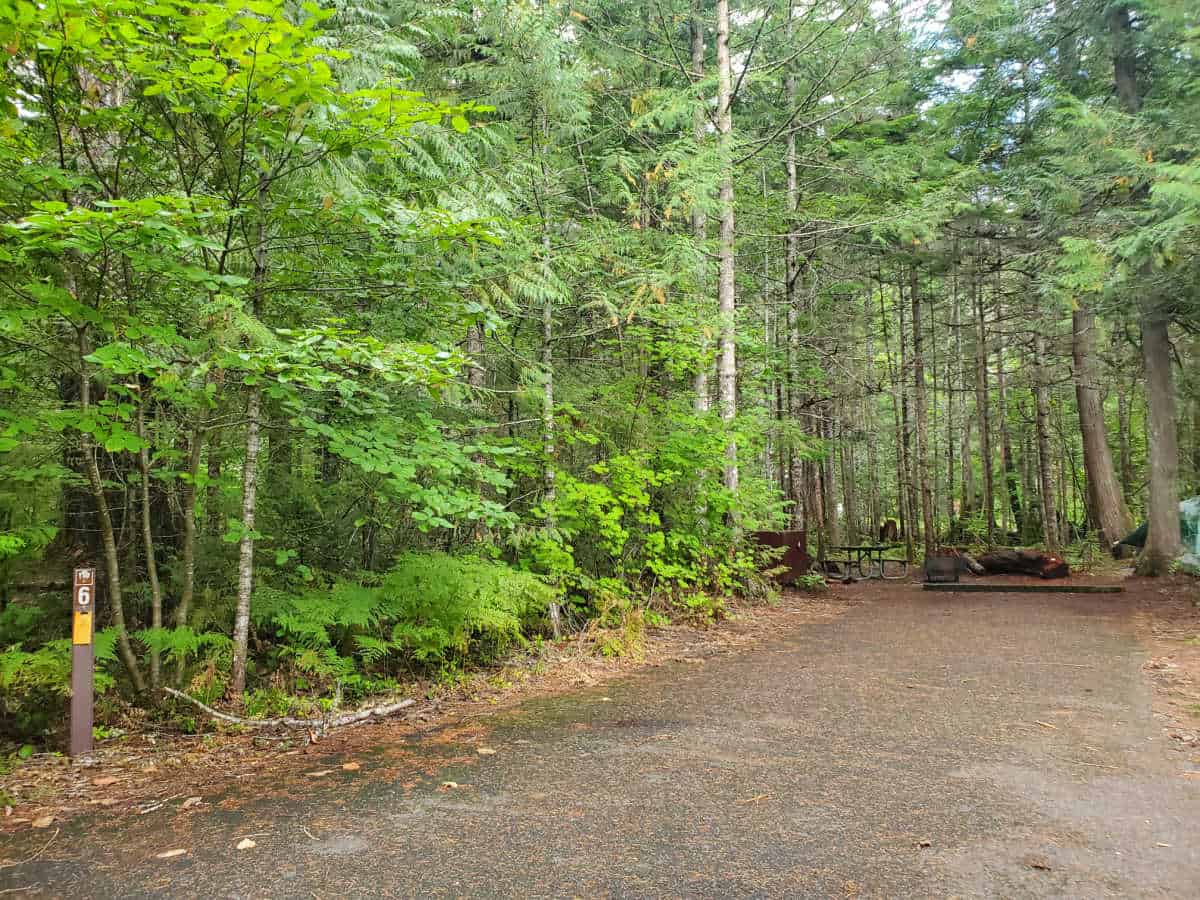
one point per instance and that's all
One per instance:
(941, 569)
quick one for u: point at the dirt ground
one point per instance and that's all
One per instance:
(1168, 621)
(895, 742)
(151, 769)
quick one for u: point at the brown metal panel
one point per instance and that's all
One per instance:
(795, 560)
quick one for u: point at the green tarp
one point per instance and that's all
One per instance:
(1189, 525)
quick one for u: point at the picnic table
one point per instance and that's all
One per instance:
(873, 556)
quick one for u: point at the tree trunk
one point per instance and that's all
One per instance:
(1124, 58)
(1164, 542)
(768, 370)
(912, 504)
(1029, 482)
(924, 472)
(849, 493)
(156, 598)
(1124, 423)
(796, 482)
(967, 507)
(547, 357)
(548, 474)
(214, 526)
(112, 563)
(1045, 462)
(475, 371)
(870, 425)
(791, 275)
(828, 480)
(1008, 467)
(1196, 441)
(701, 401)
(476, 377)
(1195, 367)
(897, 422)
(188, 589)
(1008, 464)
(1105, 499)
(934, 369)
(983, 413)
(241, 621)
(726, 297)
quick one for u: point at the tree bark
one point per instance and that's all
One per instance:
(1196, 441)
(849, 492)
(156, 597)
(476, 377)
(1124, 59)
(912, 504)
(1195, 367)
(1164, 542)
(1008, 466)
(828, 480)
(1124, 423)
(796, 480)
(213, 524)
(1106, 501)
(967, 481)
(702, 402)
(241, 621)
(894, 378)
(791, 275)
(929, 530)
(547, 357)
(869, 411)
(475, 372)
(1029, 481)
(769, 338)
(188, 590)
(112, 565)
(1045, 461)
(726, 296)
(983, 412)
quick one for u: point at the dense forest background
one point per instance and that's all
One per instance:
(354, 339)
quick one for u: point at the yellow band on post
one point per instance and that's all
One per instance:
(82, 631)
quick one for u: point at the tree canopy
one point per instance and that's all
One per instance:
(355, 338)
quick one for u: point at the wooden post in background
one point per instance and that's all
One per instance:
(83, 619)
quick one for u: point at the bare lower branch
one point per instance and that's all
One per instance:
(322, 724)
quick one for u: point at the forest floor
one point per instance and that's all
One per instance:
(875, 741)
(152, 768)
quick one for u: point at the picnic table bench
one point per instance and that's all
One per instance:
(868, 561)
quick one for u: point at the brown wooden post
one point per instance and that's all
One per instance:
(82, 660)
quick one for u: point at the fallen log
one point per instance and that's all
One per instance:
(966, 562)
(323, 724)
(1024, 562)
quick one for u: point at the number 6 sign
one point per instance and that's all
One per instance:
(85, 585)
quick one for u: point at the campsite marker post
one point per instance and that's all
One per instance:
(83, 609)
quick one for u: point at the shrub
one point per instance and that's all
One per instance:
(430, 610)
(35, 685)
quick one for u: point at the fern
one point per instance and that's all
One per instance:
(181, 645)
(431, 609)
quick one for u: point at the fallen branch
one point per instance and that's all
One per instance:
(361, 715)
(31, 859)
